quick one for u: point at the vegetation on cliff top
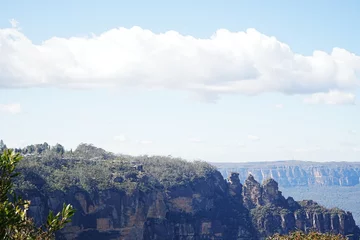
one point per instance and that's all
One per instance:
(93, 169)
(315, 207)
(262, 212)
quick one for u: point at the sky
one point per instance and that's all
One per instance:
(221, 81)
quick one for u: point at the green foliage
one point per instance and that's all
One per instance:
(59, 149)
(90, 152)
(172, 172)
(261, 212)
(298, 235)
(94, 169)
(14, 223)
(315, 207)
(31, 149)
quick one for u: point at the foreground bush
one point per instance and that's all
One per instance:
(307, 236)
(14, 222)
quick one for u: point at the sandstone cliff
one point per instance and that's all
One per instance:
(208, 207)
(123, 197)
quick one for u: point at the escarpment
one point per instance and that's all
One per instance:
(206, 208)
(165, 198)
(297, 173)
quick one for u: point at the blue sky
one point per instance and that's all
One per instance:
(220, 81)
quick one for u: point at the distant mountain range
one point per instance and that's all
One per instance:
(297, 173)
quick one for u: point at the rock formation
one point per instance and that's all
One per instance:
(271, 212)
(207, 208)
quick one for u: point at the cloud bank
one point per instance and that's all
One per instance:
(120, 138)
(14, 23)
(12, 108)
(195, 140)
(253, 138)
(279, 106)
(332, 97)
(226, 63)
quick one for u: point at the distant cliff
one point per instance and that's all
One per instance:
(155, 198)
(297, 173)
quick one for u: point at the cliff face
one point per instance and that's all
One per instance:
(207, 208)
(297, 173)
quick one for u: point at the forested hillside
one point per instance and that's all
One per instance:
(94, 169)
(155, 197)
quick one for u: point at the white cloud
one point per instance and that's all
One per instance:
(352, 132)
(279, 106)
(195, 140)
(241, 145)
(228, 62)
(309, 149)
(356, 149)
(12, 108)
(348, 144)
(302, 150)
(145, 142)
(22, 143)
(14, 23)
(120, 138)
(204, 97)
(332, 97)
(253, 138)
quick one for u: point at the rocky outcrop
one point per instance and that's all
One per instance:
(272, 213)
(207, 208)
(297, 173)
(255, 194)
(235, 187)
